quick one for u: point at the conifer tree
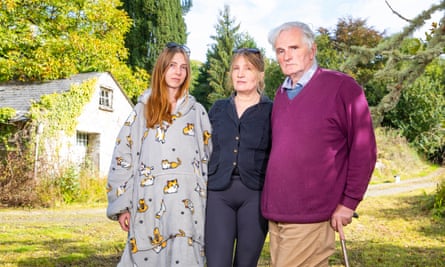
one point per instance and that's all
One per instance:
(154, 24)
(226, 32)
(410, 98)
(213, 80)
(401, 68)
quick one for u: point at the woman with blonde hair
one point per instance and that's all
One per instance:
(235, 229)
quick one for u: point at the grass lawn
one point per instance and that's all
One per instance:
(392, 231)
(396, 231)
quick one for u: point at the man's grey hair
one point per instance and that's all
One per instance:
(308, 34)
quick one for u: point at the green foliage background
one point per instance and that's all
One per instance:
(54, 39)
(403, 77)
(155, 23)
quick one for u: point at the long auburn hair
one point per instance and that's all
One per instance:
(158, 107)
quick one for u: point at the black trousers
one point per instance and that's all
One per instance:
(235, 230)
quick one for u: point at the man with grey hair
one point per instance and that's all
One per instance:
(323, 152)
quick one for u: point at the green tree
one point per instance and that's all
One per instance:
(334, 50)
(154, 24)
(52, 39)
(410, 98)
(420, 113)
(401, 68)
(200, 87)
(328, 54)
(334, 47)
(225, 42)
(273, 77)
(195, 66)
(213, 80)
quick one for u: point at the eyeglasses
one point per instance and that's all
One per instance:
(183, 47)
(247, 50)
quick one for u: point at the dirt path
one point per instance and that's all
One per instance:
(428, 181)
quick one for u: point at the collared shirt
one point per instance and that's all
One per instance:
(293, 91)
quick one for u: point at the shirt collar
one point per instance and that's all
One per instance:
(303, 80)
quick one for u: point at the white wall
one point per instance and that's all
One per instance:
(105, 123)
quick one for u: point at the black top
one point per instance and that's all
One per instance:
(242, 143)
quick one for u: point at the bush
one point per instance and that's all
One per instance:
(68, 185)
(92, 188)
(21, 187)
(17, 184)
(435, 202)
(73, 185)
(439, 200)
(420, 113)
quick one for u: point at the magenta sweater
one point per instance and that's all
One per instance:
(323, 150)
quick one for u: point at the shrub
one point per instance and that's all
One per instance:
(68, 185)
(420, 113)
(439, 200)
(436, 202)
(21, 187)
(17, 184)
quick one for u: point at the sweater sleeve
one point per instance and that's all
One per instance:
(361, 142)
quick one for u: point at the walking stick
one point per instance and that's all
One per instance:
(345, 253)
(343, 245)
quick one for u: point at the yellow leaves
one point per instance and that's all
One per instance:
(61, 110)
(6, 114)
(9, 5)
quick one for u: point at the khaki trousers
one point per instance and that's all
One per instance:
(295, 245)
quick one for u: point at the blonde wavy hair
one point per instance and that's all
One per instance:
(254, 57)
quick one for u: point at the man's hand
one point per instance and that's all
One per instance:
(342, 216)
(124, 221)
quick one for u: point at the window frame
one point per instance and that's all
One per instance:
(106, 98)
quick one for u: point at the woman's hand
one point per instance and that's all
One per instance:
(124, 221)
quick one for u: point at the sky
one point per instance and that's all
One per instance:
(258, 17)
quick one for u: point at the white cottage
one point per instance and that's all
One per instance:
(97, 126)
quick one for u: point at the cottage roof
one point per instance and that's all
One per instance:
(20, 96)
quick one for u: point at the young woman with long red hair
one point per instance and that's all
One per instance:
(158, 176)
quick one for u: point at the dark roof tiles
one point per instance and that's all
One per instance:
(20, 96)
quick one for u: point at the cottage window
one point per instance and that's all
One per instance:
(106, 98)
(82, 139)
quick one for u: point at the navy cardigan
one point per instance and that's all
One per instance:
(239, 142)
